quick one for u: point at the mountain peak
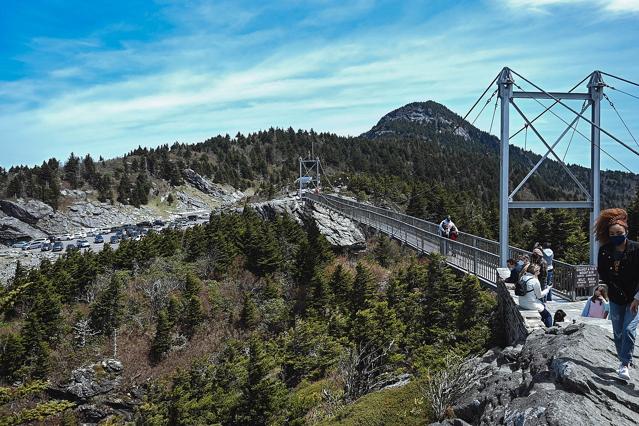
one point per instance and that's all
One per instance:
(418, 119)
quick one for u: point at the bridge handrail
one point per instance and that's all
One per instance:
(564, 277)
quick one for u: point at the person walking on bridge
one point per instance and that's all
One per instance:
(618, 267)
(445, 226)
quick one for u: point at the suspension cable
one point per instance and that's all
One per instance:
(634, 151)
(620, 118)
(483, 108)
(526, 137)
(619, 90)
(583, 108)
(493, 119)
(618, 78)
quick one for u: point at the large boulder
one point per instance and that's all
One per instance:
(12, 229)
(94, 379)
(98, 392)
(560, 376)
(226, 194)
(339, 230)
(30, 211)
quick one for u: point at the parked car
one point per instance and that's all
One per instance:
(57, 246)
(20, 244)
(46, 247)
(99, 239)
(71, 247)
(114, 239)
(91, 234)
(33, 245)
(83, 244)
(158, 222)
(144, 224)
(192, 217)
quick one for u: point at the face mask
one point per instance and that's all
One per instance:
(617, 240)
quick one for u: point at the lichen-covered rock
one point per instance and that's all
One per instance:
(561, 376)
(339, 230)
(94, 379)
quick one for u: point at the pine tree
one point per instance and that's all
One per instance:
(320, 300)
(341, 285)
(383, 251)
(12, 353)
(162, 341)
(108, 309)
(72, 171)
(249, 318)
(364, 289)
(124, 189)
(262, 395)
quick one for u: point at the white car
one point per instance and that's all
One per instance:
(65, 237)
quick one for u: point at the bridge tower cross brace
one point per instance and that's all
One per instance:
(507, 98)
(309, 174)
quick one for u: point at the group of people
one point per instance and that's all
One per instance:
(616, 299)
(533, 277)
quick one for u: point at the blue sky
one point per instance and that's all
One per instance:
(103, 77)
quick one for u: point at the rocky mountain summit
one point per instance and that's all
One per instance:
(418, 119)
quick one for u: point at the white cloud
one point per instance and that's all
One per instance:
(544, 6)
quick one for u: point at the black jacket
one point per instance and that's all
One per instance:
(622, 287)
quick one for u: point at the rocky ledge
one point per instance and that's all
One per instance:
(96, 389)
(339, 230)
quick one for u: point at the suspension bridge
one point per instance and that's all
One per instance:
(476, 255)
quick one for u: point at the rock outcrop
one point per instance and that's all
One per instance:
(226, 194)
(12, 229)
(30, 211)
(96, 388)
(339, 230)
(559, 376)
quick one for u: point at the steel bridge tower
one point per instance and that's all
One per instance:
(591, 201)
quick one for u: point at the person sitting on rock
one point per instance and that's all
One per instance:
(514, 273)
(534, 294)
(597, 306)
(618, 268)
(537, 258)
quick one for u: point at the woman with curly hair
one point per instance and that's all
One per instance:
(618, 267)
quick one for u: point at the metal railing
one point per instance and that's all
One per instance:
(469, 253)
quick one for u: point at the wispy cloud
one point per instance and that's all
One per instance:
(545, 6)
(208, 75)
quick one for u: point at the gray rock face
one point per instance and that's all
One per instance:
(12, 229)
(94, 379)
(560, 376)
(338, 230)
(30, 211)
(218, 191)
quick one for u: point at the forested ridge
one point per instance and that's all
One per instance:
(421, 158)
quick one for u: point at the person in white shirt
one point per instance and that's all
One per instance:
(446, 226)
(534, 293)
(548, 257)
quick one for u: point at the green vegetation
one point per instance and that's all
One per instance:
(254, 311)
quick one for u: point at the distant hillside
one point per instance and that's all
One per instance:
(419, 150)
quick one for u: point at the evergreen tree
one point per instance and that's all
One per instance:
(107, 311)
(321, 297)
(124, 189)
(364, 289)
(262, 395)
(162, 341)
(341, 285)
(383, 251)
(72, 171)
(249, 317)
(12, 353)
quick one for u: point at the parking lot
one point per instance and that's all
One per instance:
(91, 233)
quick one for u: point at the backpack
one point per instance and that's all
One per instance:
(521, 287)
